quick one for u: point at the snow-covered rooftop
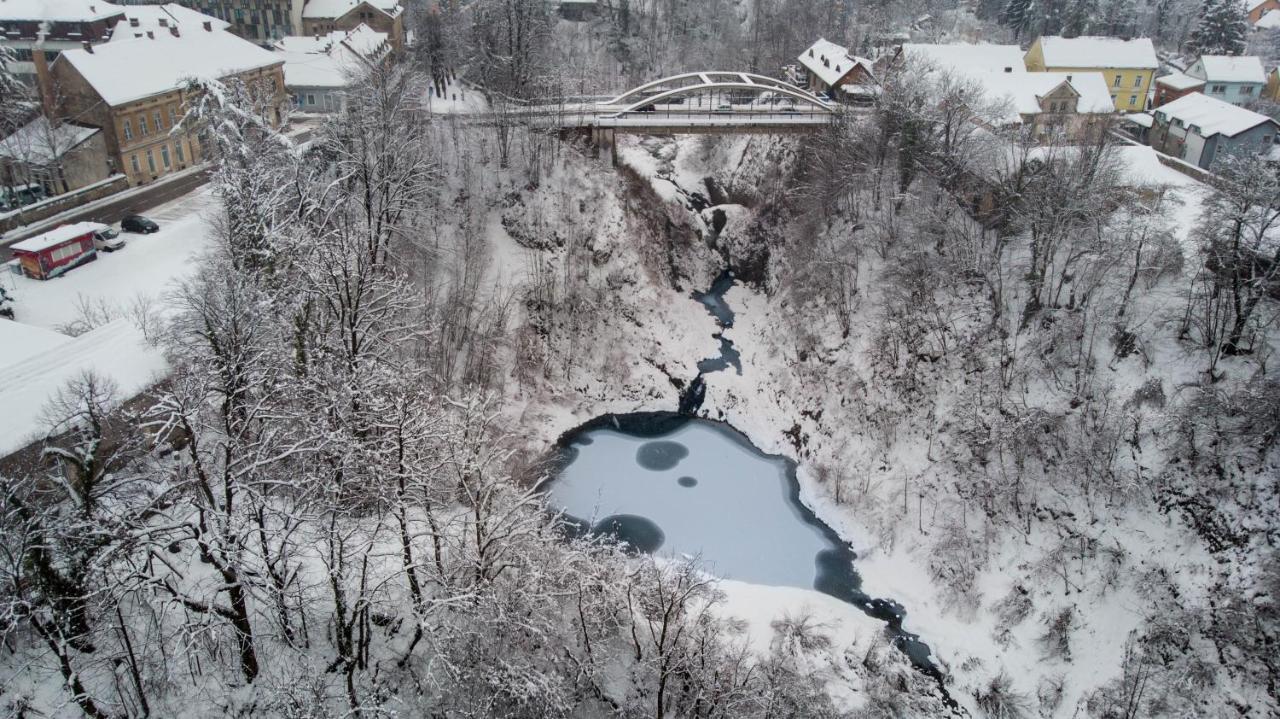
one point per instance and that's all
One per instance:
(138, 19)
(1211, 115)
(967, 56)
(1179, 81)
(1142, 119)
(56, 236)
(329, 60)
(37, 142)
(337, 8)
(20, 341)
(129, 70)
(311, 69)
(364, 40)
(1228, 68)
(1270, 20)
(116, 350)
(829, 62)
(58, 10)
(1094, 51)
(1023, 91)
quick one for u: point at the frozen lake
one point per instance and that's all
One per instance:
(679, 486)
(710, 494)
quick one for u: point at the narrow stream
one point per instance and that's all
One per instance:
(679, 486)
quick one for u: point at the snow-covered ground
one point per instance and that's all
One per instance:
(143, 271)
(645, 338)
(92, 318)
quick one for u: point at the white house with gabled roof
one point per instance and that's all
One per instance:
(1237, 80)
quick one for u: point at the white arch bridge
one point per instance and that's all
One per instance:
(693, 102)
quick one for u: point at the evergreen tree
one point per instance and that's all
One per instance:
(6, 304)
(1016, 15)
(1222, 29)
(1082, 18)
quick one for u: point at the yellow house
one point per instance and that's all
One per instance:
(1272, 90)
(1129, 66)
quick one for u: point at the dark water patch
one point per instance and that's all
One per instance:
(637, 533)
(713, 299)
(687, 482)
(691, 399)
(660, 456)
(729, 357)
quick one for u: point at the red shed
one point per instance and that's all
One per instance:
(58, 250)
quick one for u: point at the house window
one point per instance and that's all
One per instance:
(1117, 81)
(173, 115)
(177, 147)
(151, 162)
(1220, 89)
(128, 130)
(1246, 89)
(1133, 100)
(159, 122)
(311, 99)
(142, 125)
(1137, 81)
(133, 160)
(164, 156)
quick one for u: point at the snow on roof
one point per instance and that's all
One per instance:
(117, 350)
(132, 69)
(830, 62)
(1023, 91)
(58, 10)
(337, 8)
(310, 69)
(967, 56)
(367, 41)
(1143, 119)
(1211, 115)
(1179, 81)
(329, 60)
(1249, 5)
(56, 236)
(364, 40)
(19, 341)
(1270, 20)
(1227, 68)
(1094, 51)
(38, 143)
(158, 19)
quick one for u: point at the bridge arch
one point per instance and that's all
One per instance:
(694, 83)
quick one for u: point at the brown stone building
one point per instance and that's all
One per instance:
(134, 91)
(321, 17)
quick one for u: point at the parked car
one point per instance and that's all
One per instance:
(139, 224)
(107, 240)
(723, 107)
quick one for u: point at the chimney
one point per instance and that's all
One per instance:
(164, 22)
(44, 80)
(208, 26)
(1008, 69)
(88, 46)
(151, 35)
(174, 31)
(133, 22)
